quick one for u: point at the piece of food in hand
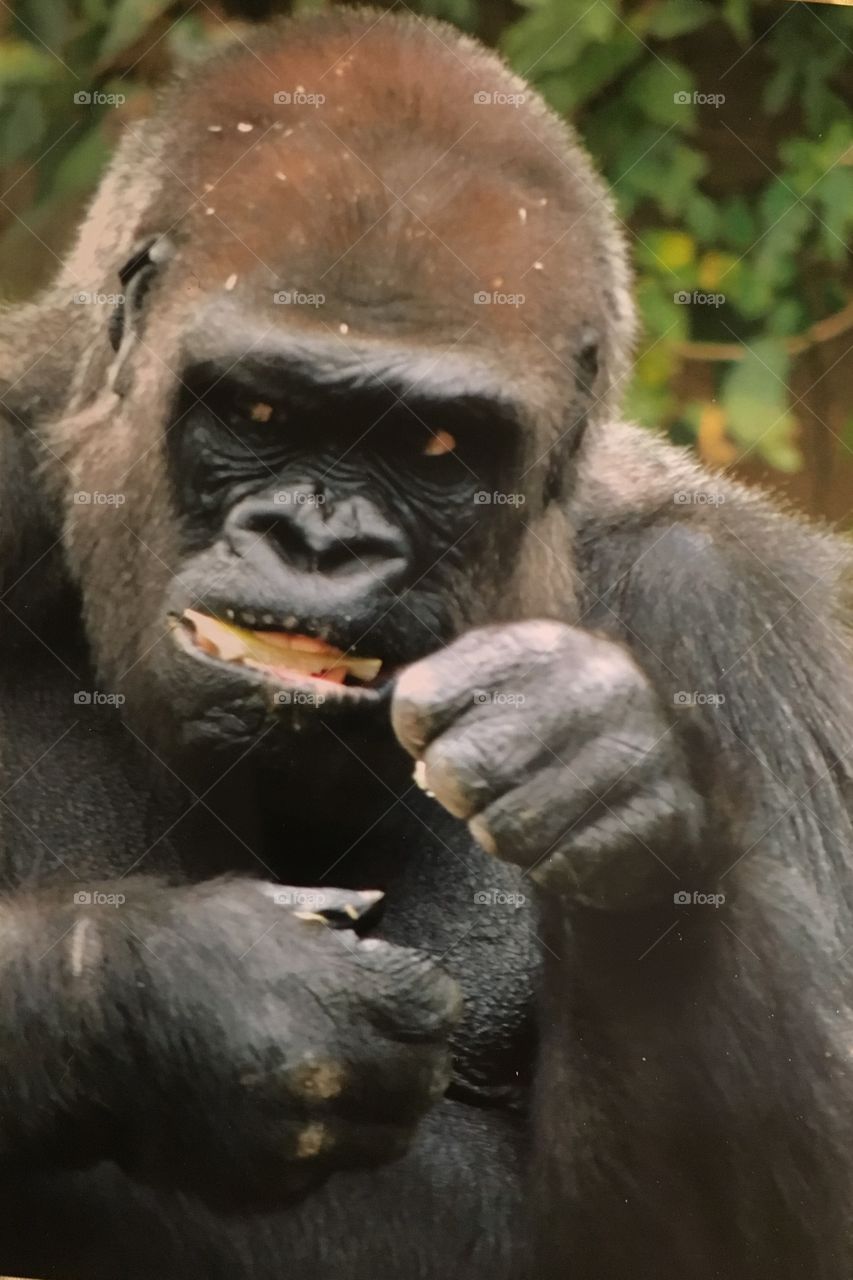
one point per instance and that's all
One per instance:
(281, 653)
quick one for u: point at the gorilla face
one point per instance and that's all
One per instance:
(345, 386)
(330, 524)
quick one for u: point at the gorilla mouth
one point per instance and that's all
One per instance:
(284, 655)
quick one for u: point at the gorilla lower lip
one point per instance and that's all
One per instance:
(280, 653)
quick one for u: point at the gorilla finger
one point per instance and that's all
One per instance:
(501, 671)
(605, 852)
(432, 693)
(477, 761)
(409, 998)
(339, 908)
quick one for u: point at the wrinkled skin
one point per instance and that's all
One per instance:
(573, 781)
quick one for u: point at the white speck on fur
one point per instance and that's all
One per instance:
(82, 950)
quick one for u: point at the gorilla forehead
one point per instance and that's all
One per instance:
(325, 161)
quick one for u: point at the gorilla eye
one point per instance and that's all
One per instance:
(261, 411)
(242, 410)
(135, 278)
(440, 442)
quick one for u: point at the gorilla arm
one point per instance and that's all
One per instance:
(114, 996)
(672, 772)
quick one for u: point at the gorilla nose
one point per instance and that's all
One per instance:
(347, 545)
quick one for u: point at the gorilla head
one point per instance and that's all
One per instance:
(364, 322)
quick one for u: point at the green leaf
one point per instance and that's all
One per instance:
(737, 223)
(703, 217)
(678, 17)
(461, 12)
(663, 92)
(599, 20)
(130, 20)
(661, 315)
(775, 261)
(737, 15)
(23, 127)
(50, 23)
(554, 39)
(21, 62)
(192, 39)
(95, 11)
(780, 87)
(600, 66)
(756, 399)
(81, 166)
(650, 406)
(787, 317)
(661, 169)
(834, 197)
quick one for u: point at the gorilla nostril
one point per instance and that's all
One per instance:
(311, 535)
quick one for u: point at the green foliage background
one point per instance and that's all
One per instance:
(724, 128)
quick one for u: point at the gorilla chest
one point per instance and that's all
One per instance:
(479, 919)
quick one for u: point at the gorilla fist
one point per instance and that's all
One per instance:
(552, 744)
(272, 1048)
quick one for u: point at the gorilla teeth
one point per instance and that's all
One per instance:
(278, 653)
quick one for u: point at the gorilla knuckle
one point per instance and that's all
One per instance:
(459, 773)
(409, 992)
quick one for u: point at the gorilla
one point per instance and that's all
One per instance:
(426, 798)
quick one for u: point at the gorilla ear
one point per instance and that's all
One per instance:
(135, 278)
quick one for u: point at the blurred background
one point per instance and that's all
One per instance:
(725, 128)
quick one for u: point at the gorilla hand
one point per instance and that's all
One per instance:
(271, 1048)
(551, 742)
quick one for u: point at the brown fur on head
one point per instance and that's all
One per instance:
(388, 164)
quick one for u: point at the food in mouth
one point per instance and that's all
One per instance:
(282, 654)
